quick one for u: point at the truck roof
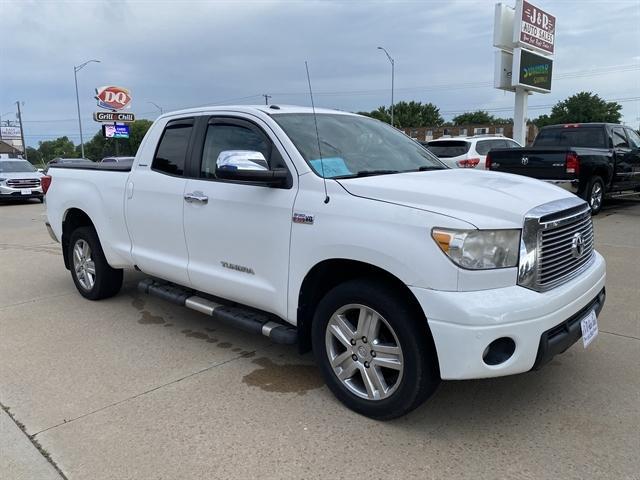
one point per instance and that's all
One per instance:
(266, 109)
(585, 124)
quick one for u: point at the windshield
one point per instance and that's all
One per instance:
(15, 166)
(448, 148)
(354, 146)
(586, 137)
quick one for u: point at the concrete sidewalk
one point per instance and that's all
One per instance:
(137, 388)
(19, 457)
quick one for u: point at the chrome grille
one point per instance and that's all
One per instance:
(565, 247)
(23, 182)
(557, 244)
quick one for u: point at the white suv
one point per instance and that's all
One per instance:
(467, 152)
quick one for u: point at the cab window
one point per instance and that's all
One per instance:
(171, 154)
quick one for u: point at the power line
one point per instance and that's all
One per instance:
(605, 70)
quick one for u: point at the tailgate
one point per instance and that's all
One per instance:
(542, 163)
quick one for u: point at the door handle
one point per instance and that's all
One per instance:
(196, 197)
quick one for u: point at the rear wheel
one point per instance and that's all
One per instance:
(375, 352)
(93, 276)
(594, 194)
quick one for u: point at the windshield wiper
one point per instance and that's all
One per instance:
(366, 173)
(428, 168)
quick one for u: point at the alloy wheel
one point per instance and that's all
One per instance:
(364, 352)
(84, 265)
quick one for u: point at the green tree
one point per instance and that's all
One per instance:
(580, 108)
(99, 147)
(60, 147)
(479, 117)
(409, 114)
(34, 156)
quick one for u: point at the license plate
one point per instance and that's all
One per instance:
(589, 326)
(25, 191)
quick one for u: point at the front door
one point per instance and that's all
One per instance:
(625, 160)
(238, 233)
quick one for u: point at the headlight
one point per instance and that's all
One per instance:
(479, 249)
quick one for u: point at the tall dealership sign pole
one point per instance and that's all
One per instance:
(525, 38)
(76, 69)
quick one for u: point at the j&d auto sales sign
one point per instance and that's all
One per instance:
(113, 98)
(537, 28)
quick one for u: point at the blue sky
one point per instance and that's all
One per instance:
(188, 53)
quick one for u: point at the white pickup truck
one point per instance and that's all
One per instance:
(339, 233)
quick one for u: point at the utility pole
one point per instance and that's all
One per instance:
(266, 98)
(393, 63)
(24, 145)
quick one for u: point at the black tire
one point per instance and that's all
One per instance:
(594, 194)
(107, 281)
(420, 375)
(41, 199)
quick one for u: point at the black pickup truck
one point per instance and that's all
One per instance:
(592, 160)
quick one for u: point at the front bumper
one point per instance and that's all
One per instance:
(463, 324)
(10, 193)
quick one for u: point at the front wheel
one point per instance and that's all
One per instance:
(594, 194)
(375, 352)
(93, 276)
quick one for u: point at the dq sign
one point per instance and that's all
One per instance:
(113, 98)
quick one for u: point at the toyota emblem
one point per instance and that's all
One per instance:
(577, 245)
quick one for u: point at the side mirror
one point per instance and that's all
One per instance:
(248, 166)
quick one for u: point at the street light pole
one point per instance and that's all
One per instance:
(76, 69)
(392, 77)
(157, 106)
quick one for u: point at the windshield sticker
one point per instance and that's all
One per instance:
(333, 167)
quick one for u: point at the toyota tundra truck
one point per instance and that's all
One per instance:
(341, 234)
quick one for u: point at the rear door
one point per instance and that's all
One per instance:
(238, 235)
(155, 205)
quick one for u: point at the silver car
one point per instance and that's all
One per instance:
(19, 180)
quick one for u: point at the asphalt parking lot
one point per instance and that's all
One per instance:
(137, 388)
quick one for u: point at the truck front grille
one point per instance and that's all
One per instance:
(23, 182)
(557, 244)
(564, 249)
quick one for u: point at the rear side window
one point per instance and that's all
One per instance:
(448, 148)
(587, 137)
(171, 154)
(483, 146)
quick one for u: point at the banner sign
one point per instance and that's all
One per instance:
(534, 28)
(115, 131)
(10, 132)
(113, 98)
(531, 71)
(114, 117)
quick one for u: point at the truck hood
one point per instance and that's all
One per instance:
(9, 175)
(483, 198)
